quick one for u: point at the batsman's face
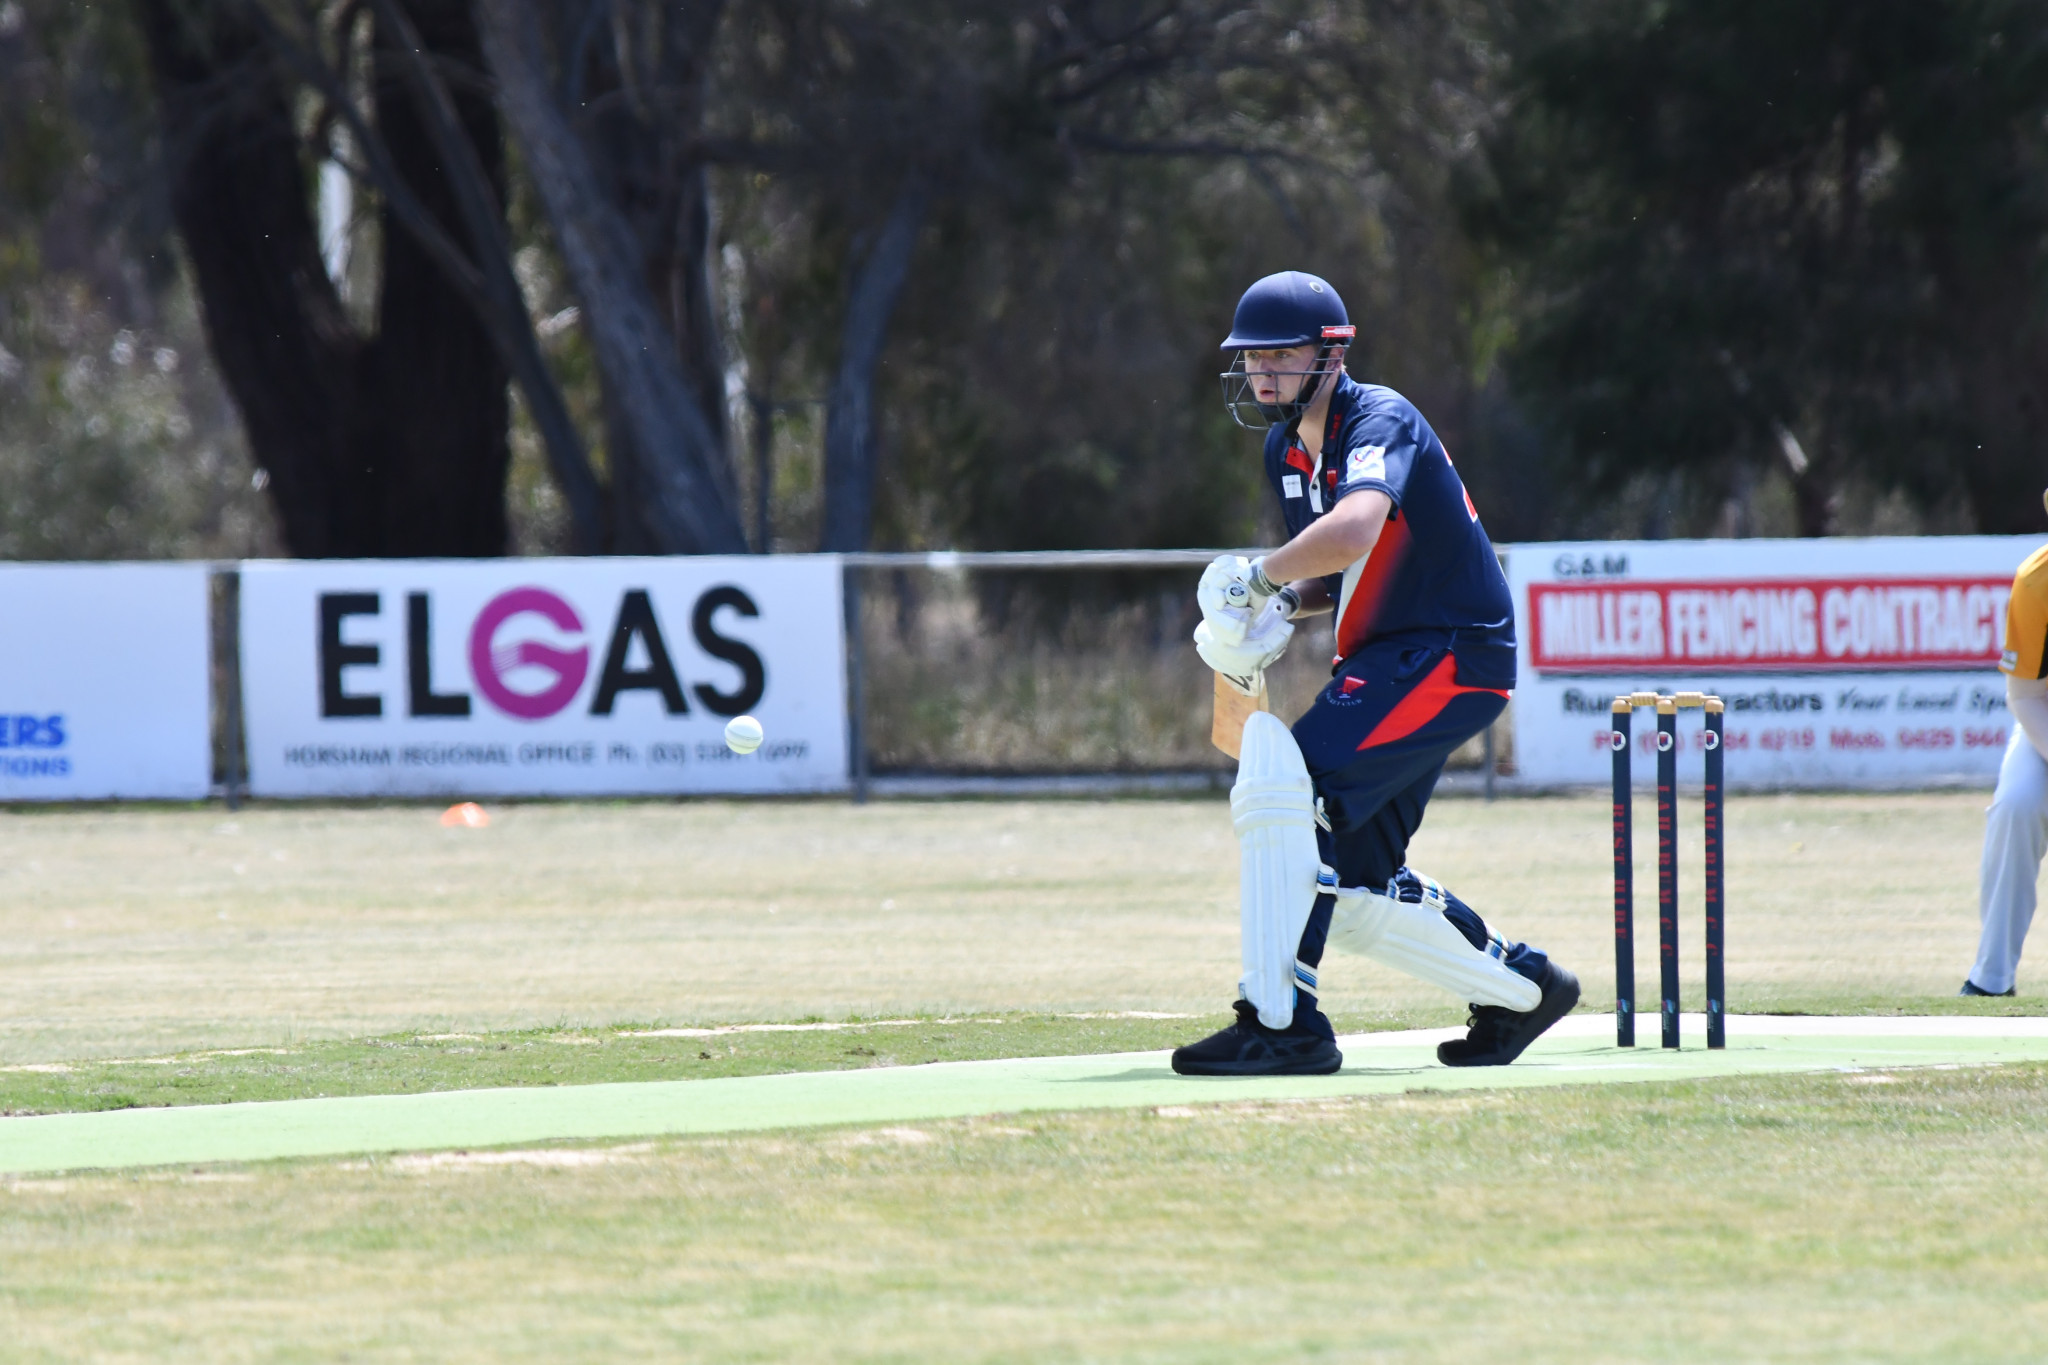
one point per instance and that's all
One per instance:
(1277, 376)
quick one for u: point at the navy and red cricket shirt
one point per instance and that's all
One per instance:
(1433, 578)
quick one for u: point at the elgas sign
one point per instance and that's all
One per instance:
(528, 658)
(542, 676)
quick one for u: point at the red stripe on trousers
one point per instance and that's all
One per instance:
(1423, 705)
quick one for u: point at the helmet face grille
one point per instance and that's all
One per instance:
(1241, 399)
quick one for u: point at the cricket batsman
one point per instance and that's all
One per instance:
(1383, 534)
(2016, 825)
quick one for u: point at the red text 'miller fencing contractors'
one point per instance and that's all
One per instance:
(1844, 662)
(1768, 625)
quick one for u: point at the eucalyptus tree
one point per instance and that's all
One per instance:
(1809, 242)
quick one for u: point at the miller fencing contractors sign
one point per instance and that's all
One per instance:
(1843, 663)
(542, 676)
(103, 682)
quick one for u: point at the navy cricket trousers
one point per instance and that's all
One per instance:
(1375, 742)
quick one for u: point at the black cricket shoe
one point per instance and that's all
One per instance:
(1499, 1035)
(1972, 988)
(1249, 1048)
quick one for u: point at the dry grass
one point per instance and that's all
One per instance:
(1815, 1218)
(1807, 1218)
(1115, 690)
(140, 931)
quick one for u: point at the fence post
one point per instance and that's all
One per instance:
(856, 683)
(224, 609)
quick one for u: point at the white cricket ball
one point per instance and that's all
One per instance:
(743, 734)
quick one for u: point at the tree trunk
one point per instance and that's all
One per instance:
(638, 97)
(438, 433)
(395, 446)
(661, 427)
(1815, 484)
(1813, 506)
(849, 413)
(461, 130)
(274, 325)
(676, 266)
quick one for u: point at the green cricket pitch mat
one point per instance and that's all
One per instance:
(1579, 1050)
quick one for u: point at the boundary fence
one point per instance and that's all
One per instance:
(1879, 676)
(863, 781)
(231, 777)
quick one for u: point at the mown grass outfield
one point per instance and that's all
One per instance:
(166, 956)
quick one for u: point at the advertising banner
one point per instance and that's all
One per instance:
(103, 682)
(1843, 663)
(542, 676)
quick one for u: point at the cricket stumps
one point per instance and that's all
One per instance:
(1667, 708)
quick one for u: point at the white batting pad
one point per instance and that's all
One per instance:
(1418, 940)
(1272, 807)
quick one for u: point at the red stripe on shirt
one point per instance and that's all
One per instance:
(1380, 565)
(1424, 704)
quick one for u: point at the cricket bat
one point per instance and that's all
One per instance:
(1233, 709)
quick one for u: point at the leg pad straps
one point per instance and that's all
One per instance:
(1415, 938)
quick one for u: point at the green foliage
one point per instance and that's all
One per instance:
(1752, 239)
(1051, 380)
(1650, 268)
(100, 453)
(115, 442)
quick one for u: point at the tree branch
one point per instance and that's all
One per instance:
(658, 413)
(849, 414)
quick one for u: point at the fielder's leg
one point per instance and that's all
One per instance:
(1279, 1030)
(2015, 838)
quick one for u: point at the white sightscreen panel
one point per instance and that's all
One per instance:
(103, 682)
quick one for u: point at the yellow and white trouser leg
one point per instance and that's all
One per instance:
(2015, 839)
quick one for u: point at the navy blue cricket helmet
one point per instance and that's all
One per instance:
(1292, 308)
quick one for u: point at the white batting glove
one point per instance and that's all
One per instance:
(1232, 591)
(1242, 661)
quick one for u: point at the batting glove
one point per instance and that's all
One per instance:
(1231, 593)
(1242, 661)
